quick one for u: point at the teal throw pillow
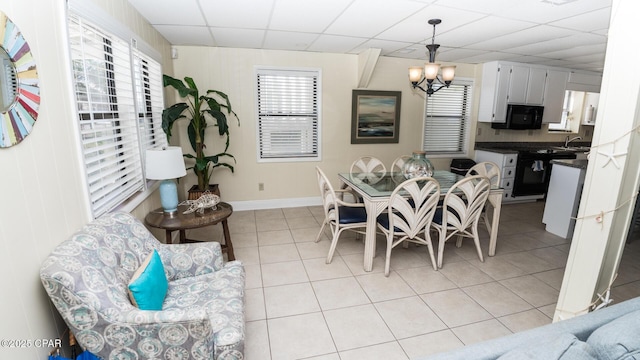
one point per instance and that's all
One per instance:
(148, 285)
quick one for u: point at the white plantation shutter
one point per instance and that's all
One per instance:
(447, 119)
(288, 108)
(114, 127)
(148, 89)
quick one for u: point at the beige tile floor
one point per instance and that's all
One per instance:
(298, 307)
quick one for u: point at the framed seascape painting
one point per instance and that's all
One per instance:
(375, 117)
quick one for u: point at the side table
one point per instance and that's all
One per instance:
(181, 222)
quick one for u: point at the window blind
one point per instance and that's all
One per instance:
(288, 113)
(107, 114)
(148, 89)
(446, 119)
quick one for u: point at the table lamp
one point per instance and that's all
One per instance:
(166, 164)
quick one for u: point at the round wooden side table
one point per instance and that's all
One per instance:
(178, 221)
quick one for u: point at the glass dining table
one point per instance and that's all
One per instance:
(376, 191)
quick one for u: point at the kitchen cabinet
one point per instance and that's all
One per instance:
(507, 163)
(554, 93)
(504, 83)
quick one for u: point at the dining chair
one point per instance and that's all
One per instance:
(368, 168)
(338, 214)
(398, 163)
(487, 169)
(460, 213)
(491, 171)
(412, 206)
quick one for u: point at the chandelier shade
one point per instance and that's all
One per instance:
(426, 75)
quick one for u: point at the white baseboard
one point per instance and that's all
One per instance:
(275, 203)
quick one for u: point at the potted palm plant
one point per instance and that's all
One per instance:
(196, 109)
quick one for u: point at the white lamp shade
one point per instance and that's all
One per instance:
(163, 164)
(448, 73)
(431, 70)
(415, 73)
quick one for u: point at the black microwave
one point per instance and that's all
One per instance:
(521, 117)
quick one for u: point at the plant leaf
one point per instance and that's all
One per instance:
(193, 88)
(191, 132)
(227, 104)
(178, 85)
(223, 127)
(170, 115)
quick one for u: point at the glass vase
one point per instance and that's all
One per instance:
(417, 166)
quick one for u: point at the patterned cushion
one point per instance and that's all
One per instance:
(87, 278)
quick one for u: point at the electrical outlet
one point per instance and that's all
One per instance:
(479, 131)
(497, 132)
(530, 132)
(260, 186)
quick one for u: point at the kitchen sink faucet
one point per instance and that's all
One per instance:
(567, 141)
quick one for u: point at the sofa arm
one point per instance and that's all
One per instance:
(185, 260)
(152, 334)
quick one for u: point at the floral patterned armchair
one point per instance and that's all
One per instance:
(202, 315)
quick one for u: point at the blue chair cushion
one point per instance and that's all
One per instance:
(383, 219)
(437, 217)
(350, 215)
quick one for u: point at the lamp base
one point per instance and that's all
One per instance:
(169, 195)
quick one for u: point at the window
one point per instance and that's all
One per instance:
(119, 103)
(288, 108)
(447, 118)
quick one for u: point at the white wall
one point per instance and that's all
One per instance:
(42, 199)
(232, 71)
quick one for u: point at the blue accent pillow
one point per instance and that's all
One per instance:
(148, 285)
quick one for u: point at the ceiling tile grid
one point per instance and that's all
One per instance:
(569, 33)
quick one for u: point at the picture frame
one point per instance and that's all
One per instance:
(375, 117)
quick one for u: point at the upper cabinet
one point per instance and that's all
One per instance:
(504, 83)
(514, 83)
(554, 96)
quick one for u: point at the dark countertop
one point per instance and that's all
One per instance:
(579, 164)
(497, 150)
(499, 146)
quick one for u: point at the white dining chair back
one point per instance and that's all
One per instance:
(339, 215)
(398, 163)
(412, 206)
(368, 168)
(461, 211)
(487, 169)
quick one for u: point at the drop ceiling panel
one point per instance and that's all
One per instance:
(166, 12)
(243, 38)
(531, 36)
(285, 40)
(417, 29)
(305, 15)
(483, 29)
(186, 35)
(543, 12)
(248, 14)
(367, 18)
(472, 31)
(591, 21)
(335, 44)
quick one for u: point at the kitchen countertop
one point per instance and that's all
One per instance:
(498, 150)
(580, 164)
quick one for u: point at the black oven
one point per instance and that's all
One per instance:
(533, 171)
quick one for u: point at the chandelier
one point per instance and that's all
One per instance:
(418, 78)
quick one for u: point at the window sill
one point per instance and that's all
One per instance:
(133, 202)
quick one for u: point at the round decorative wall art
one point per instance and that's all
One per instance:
(19, 90)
